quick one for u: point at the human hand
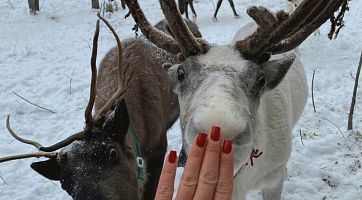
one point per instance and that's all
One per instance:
(208, 174)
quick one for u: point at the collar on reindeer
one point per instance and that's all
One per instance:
(140, 161)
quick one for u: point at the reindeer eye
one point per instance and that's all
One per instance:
(113, 154)
(180, 75)
(262, 82)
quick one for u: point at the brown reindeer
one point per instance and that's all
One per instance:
(120, 152)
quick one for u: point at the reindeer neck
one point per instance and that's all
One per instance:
(140, 161)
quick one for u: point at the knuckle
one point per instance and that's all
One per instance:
(168, 172)
(165, 191)
(209, 178)
(213, 148)
(189, 180)
(223, 187)
(227, 161)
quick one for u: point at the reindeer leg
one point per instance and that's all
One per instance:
(217, 9)
(123, 4)
(233, 8)
(181, 6)
(274, 193)
(154, 168)
(192, 8)
(186, 9)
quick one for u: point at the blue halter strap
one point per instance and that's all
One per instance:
(140, 161)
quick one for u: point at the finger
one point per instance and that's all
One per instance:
(189, 178)
(224, 188)
(209, 173)
(166, 184)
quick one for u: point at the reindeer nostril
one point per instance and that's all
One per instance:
(180, 75)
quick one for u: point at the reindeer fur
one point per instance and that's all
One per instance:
(151, 104)
(219, 90)
(278, 112)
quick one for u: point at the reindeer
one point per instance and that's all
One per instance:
(120, 152)
(254, 88)
(183, 7)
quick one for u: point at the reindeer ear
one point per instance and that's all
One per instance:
(49, 169)
(117, 123)
(171, 70)
(275, 70)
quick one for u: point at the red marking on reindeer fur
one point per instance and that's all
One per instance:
(254, 154)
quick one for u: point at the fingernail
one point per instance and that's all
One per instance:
(201, 139)
(172, 157)
(215, 133)
(227, 146)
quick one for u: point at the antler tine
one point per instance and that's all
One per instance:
(31, 142)
(315, 12)
(92, 96)
(121, 71)
(156, 36)
(188, 43)
(77, 136)
(295, 20)
(296, 39)
(29, 155)
(285, 35)
(252, 46)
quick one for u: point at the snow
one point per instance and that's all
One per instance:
(40, 55)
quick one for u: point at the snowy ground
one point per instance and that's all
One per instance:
(39, 55)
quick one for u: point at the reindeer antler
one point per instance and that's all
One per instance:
(121, 70)
(31, 142)
(188, 43)
(26, 141)
(156, 36)
(275, 35)
(90, 122)
(185, 42)
(29, 155)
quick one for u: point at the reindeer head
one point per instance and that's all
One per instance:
(224, 89)
(222, 85)
(102, 161)
(100, 166)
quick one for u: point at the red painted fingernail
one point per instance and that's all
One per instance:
(201, 139)
(227, 146)
(172, 157)
(215, 133)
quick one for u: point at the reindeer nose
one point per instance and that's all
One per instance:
(231, 126)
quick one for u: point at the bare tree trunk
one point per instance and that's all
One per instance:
(350, 116)
(95, 4)
(33, 6)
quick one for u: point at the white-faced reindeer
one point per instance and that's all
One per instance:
(120, 152)
(254, 88)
